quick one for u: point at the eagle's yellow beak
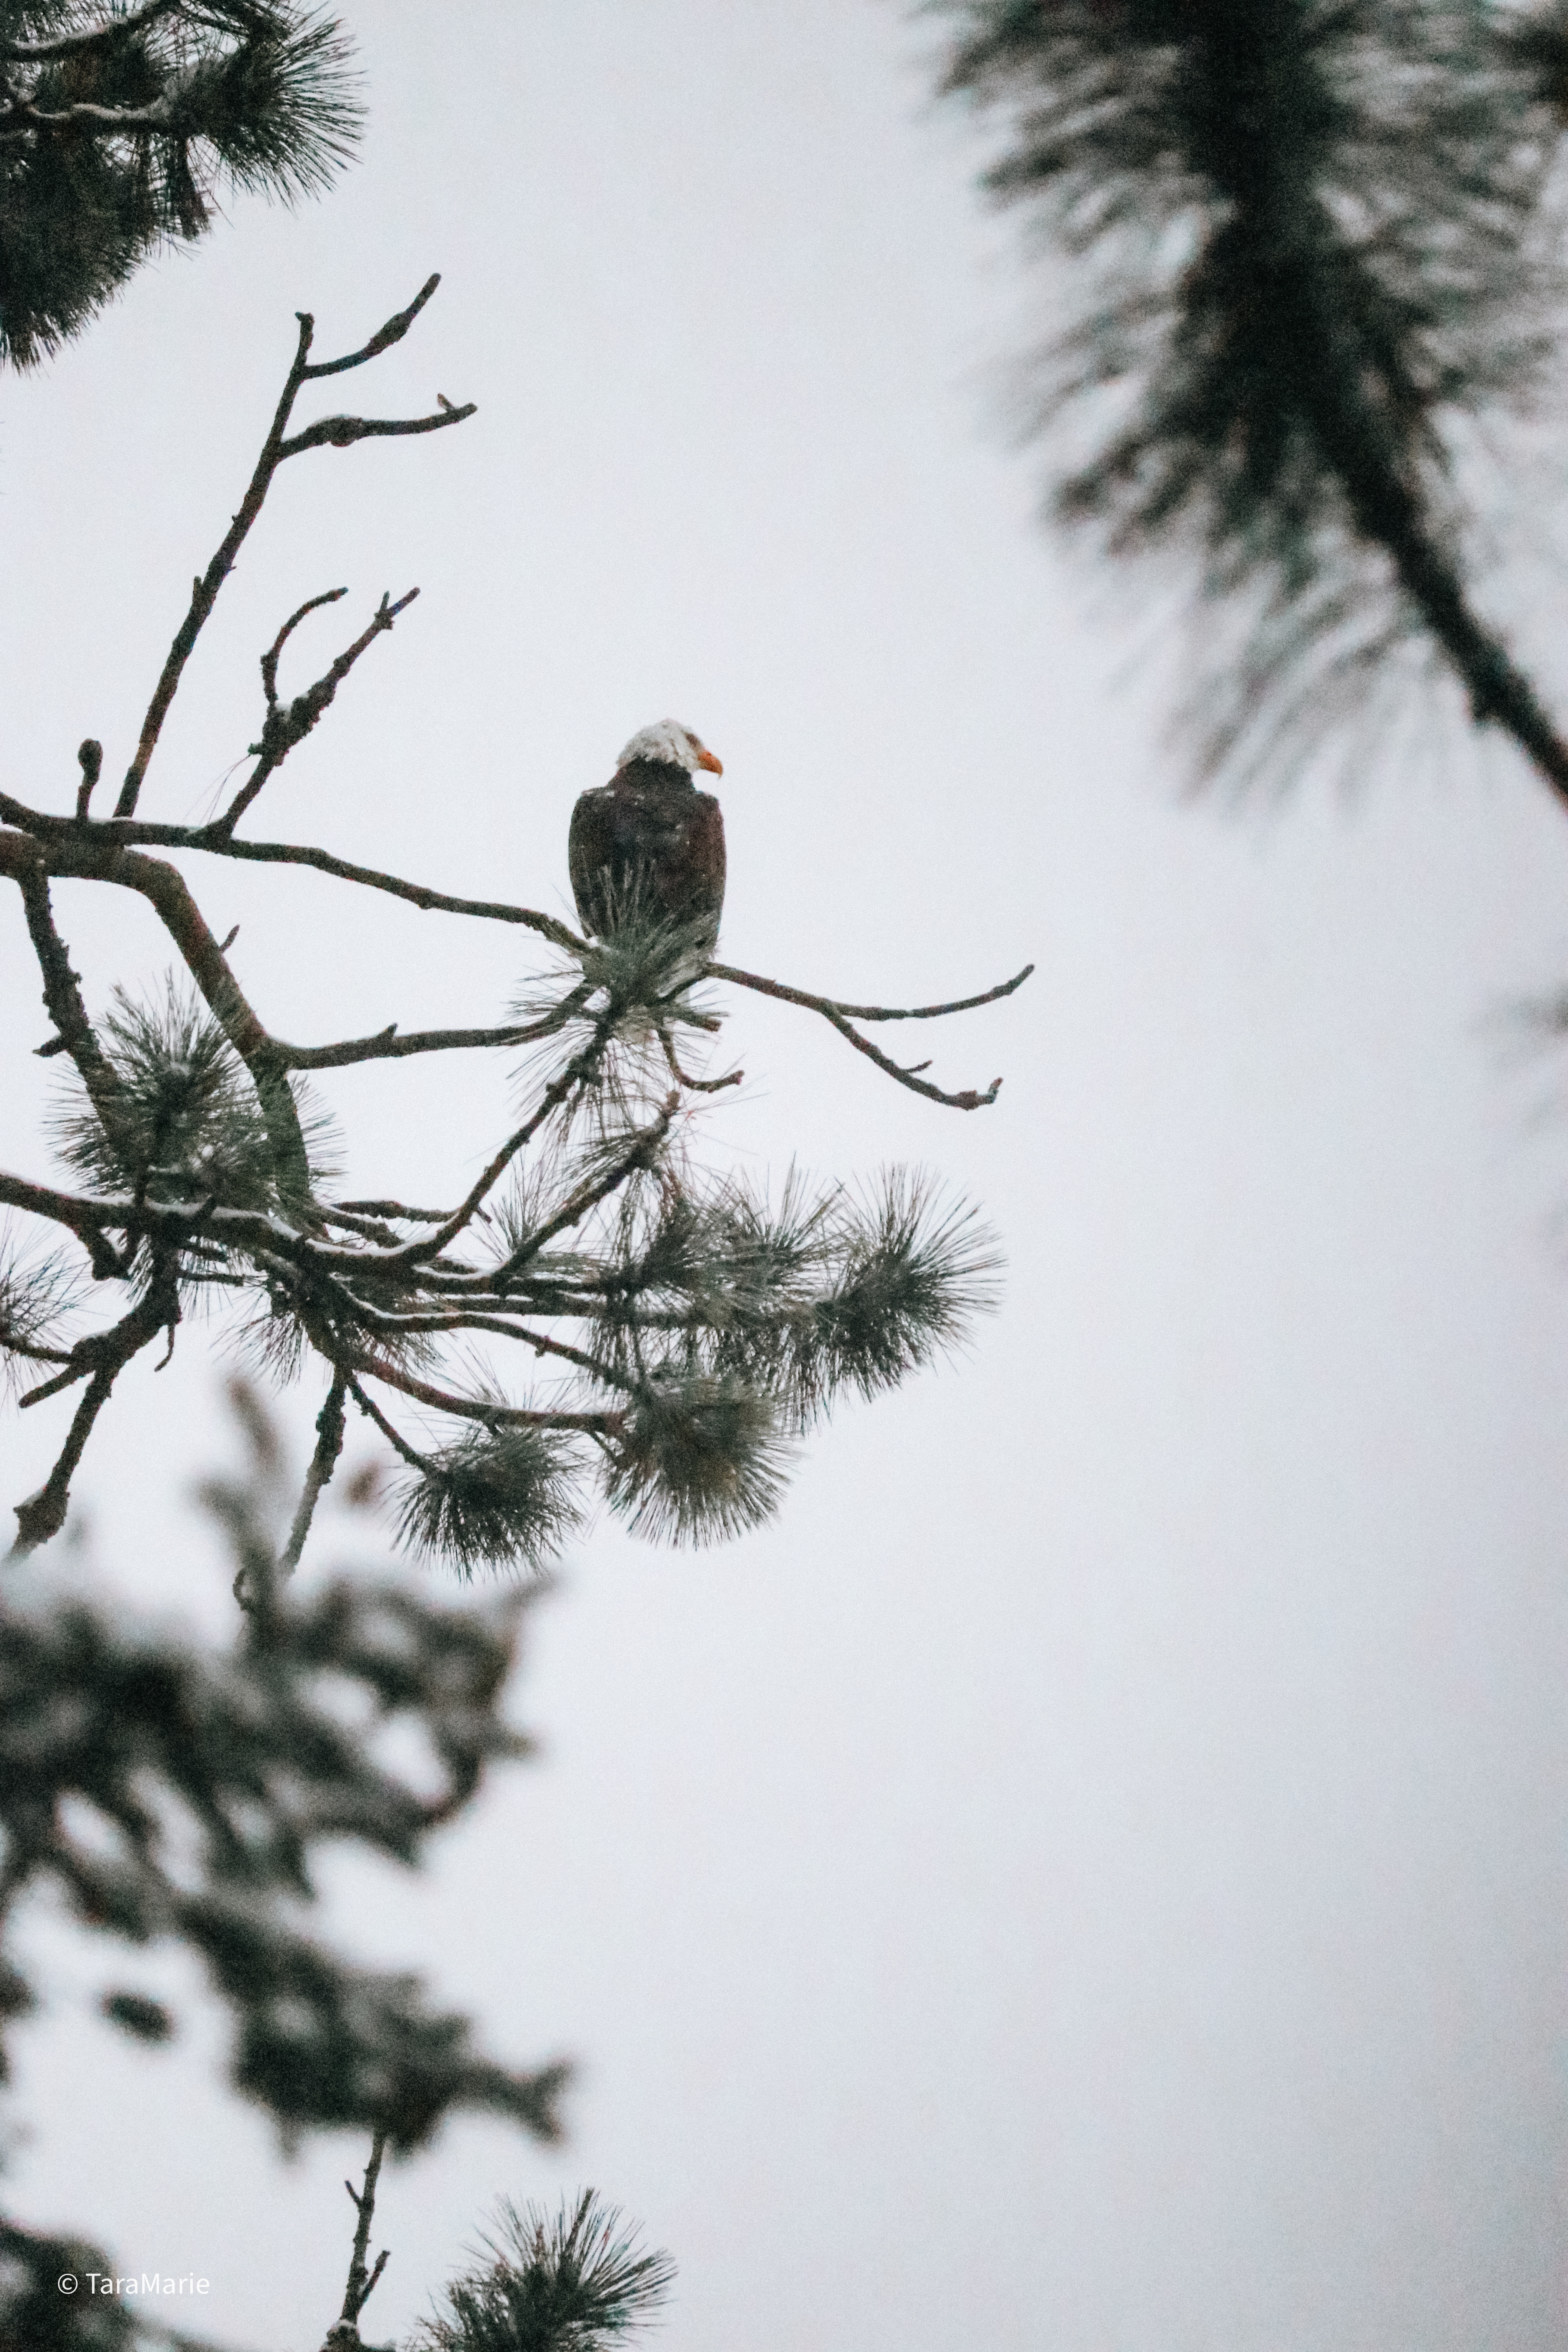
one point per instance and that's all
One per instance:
(705, 759)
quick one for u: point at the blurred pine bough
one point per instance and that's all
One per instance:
(1311, 250)
(162, 1793)
(117, 1741)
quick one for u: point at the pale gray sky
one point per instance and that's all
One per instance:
(1092, 1876)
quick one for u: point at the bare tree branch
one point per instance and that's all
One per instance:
(116, 835)
(90, 759)
(840, 1016)
(323, 1462)
(397, 327)
(492, 1416)
(340, 431)
(285, 727)
(44, 1514)
(362, 2279)
(697, 1085)
(868, 1012)
(62, 994)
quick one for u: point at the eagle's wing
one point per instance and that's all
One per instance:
(698, 886)
(589, 851)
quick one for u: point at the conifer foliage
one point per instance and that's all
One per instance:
(1309, 243)
(691, 1325)
(166, 1794)
(119, 124)
(575, 2281)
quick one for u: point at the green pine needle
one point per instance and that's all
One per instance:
(914, 1274)
(1311, 234)
(498, 1499)
(701, 1460)
(569, 2282)
(255, 92)
(186, 1125)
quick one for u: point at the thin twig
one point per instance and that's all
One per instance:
(342, 431)
(287, 853)
(697, 1085)
(356, 2294)
(102, 844)
(44, 1513)
(389, 1430)
(840, 1016)
(66, 1379)
(866, 1012)
(397, 327)
(577, 1071)
(506, 1416)
(591, 1191)
(89, 759)
(116, 833)
(270, 659)
(62, 995)
(323, 1462)
(276, 449)
(285, 726)
(388, 1046)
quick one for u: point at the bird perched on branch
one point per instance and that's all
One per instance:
(648, 842)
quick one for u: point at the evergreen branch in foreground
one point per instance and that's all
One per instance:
(1314, 232)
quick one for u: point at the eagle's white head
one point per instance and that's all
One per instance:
(668, 741)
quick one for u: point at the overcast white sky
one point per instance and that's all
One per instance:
(1092, 1876)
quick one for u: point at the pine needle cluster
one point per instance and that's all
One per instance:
(118, 126)
(496, 1499)
(692, 1327)
(575, 2281)
(1314, 234)
(37, 1291)
(180, 1119)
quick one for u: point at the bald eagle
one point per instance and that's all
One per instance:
(649, 840)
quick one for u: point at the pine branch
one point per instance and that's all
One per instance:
(44, 1513)
(1312, 235)
(577, 2281)
(115, 133)
(225, 1775)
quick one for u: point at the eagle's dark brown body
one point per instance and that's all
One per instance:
(649, 840)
